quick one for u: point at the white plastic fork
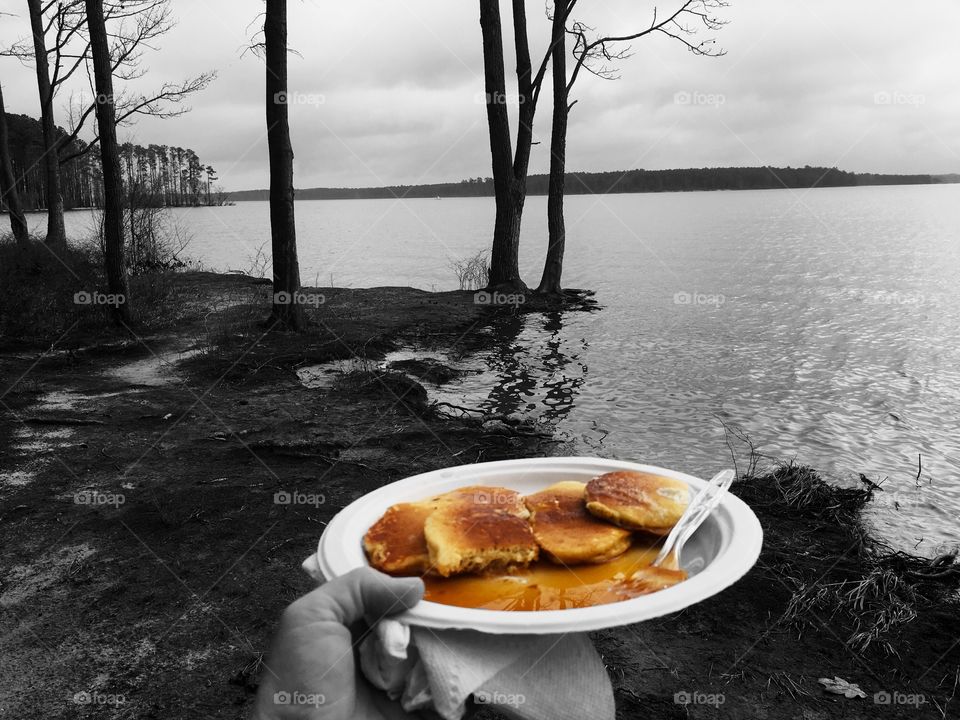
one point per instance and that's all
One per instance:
(699, 510)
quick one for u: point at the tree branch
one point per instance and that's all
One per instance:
(588, 53)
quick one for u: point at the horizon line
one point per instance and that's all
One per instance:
(623, 172)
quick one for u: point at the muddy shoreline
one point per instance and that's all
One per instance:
(145, 555)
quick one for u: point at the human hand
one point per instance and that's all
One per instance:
(310, 672)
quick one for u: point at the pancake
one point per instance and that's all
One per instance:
(567, 533)
(637, 500)
(465, 537)
(396, 543)
(498, 498)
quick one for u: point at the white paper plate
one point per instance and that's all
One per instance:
(724, 548)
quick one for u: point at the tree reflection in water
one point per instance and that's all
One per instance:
(536, 372)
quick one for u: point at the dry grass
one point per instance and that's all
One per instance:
(801, 490)
(224, 326)
(38, 288)
(852, 580)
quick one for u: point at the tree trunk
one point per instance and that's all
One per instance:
(287, 310)
(56, 232)
(8, 183)
(527, 111)
(553, 266)
(134, 250)
(504, 263)
(110, 161)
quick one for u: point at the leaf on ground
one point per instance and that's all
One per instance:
(839, 686)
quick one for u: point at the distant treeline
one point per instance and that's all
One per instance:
(78, 175)
(630, 181)
(165, 176)
(162, 175)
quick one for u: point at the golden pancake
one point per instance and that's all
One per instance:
(498, 498)
(567, 533)
(637, 500)
(465, 537)
(396, 543)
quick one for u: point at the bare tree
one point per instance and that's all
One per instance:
(556, 229)
(56, 232)
(8, 182)
(287, 310)
(509, 174)
(134, 26)
(504, 265)
(110, 161)
(60, 47)
(598, 54)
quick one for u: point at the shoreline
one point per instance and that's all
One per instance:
(429, 197)
(176, 560)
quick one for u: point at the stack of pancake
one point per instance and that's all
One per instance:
(481, 528)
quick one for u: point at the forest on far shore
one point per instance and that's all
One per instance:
(161, 176)
(629, 181)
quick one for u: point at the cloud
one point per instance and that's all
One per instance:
(802, 83)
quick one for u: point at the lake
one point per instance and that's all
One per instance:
(823, 323)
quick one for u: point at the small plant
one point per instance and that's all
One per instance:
(260, 263)
(155, 238)
(734, 434)
(473, 273)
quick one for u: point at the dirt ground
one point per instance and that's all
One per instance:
(145, 558)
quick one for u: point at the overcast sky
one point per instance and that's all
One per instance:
(390, 92)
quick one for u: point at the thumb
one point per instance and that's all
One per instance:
(363, 592)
